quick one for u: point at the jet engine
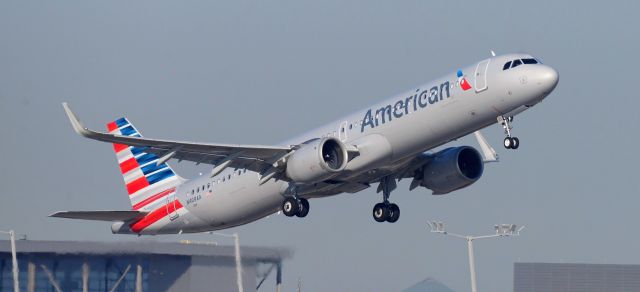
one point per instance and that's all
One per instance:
(452, 169)
(317, 160)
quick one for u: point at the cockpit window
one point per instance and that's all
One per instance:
(516, 63)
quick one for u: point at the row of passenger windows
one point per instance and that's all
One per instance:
(518, 62)
(220, 180)
(343, 129)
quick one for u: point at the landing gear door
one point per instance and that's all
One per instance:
(481, 75)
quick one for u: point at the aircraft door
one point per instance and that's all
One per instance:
(171, 206)
(481, 75)
(342, 131)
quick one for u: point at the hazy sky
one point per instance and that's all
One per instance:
(261, 71)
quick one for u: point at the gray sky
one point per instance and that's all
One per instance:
(262, 71)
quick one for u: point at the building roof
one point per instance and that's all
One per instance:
(149, 247)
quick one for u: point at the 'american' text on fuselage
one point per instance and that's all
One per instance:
(402, 106)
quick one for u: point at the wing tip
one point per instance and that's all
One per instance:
(78, 127)
(58, 214)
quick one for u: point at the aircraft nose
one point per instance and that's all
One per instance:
(547, 78)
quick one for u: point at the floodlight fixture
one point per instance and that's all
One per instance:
(502, 230)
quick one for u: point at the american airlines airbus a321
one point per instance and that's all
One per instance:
(382, 144)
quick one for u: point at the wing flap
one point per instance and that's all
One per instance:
(101, 215)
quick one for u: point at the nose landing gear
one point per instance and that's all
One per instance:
(386, 211)
(509, 142)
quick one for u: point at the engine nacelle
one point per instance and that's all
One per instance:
(317, 160)
(452, 169)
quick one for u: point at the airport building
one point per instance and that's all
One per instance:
(553, 277)
(138, 266)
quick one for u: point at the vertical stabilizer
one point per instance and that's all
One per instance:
(148, 183)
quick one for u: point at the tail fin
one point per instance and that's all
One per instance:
(147, 183)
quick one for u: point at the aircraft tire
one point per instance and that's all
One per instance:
(290, 207)
(380, 211)
(508, 142)
(516, 143)
(394, 213)
(303, 208)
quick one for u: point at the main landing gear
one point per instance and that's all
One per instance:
(386, 211)
(509, 142)
(294, 206)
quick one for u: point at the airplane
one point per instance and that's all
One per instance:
(383, 143)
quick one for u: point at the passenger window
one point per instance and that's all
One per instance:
(516, 63)
(507, 65)
(529, 61)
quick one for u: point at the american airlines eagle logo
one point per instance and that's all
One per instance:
(463, 81)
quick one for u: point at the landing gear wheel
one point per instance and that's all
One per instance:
(394, 213)
(380, 212)
(508, 142)
(516, 143)
(303, 208)
(290, 207)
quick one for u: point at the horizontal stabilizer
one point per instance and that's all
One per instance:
(101, 215)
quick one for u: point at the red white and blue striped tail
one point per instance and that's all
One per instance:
(148, 184)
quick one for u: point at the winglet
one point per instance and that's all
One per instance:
(75, 123)
(488, 152)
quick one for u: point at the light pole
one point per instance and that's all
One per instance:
(236, 242)
(14, 259)
(502, 230)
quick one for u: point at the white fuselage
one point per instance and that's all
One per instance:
(418, 122)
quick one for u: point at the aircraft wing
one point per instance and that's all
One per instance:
(257, 158)
(101, 215)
